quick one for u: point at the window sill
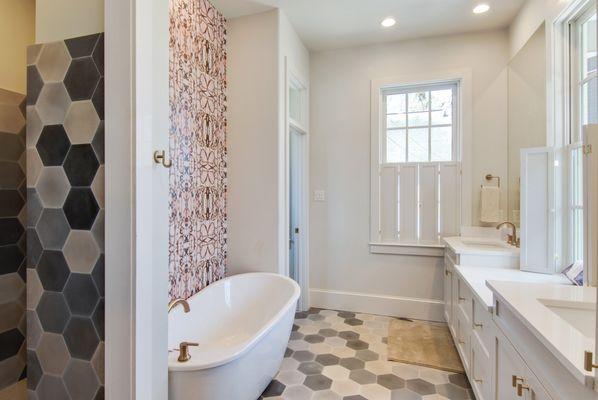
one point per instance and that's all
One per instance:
(410, 249)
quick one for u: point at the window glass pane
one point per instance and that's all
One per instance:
(418, 145)
(589, 103)
(419, 119)
(442, 99)
(395, 103)
(396, 121)
(442, 117)
(577, 251)
(396, 147)
(442, 144)
(588, 39)
(419, 101)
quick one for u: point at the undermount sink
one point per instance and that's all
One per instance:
(486, 244)
(580, 315)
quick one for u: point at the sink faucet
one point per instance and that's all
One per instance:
(176, 302)
(511, 239)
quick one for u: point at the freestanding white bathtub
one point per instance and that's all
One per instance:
(242, 324)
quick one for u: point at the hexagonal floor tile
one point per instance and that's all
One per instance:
(357, 344)
(349, 335)
(314, 339)
(452, 392)
(345, 387)
(420, 386)
(81, 251)
(290, 377)
(390, 381)
(81, 122)
(327, 359)
(318, 382)
(53, 187)
(303, 355)
(310, 368)
(352, 363)
(362, 377)
(459, 380)
(336, 372)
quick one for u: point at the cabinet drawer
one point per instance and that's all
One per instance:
(463, 298)
(481, 372)
(463, 339)
(482, 325)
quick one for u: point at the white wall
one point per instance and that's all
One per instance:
(17, 31)
(340, 164)
(63, 19)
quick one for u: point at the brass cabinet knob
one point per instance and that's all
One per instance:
(588, 361)
(516, 379)
(520, 388)
(184, 351)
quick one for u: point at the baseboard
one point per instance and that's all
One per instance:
(407, 307)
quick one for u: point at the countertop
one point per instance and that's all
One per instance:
(527, 301)
(476, 277)
(481, 246)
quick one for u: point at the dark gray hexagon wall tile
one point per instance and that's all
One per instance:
(53, 187)
(11, 257)
(81, 294)
(10, 231)
(98, 98)
(82, 46)
(34, 84)
(12, 175)
(98, 185)
(10, 315)
(81, 78)
(34, 248)
(81, 208)
(97, 362)
(80, 380)
(10, 370)
(53, 103)
(53, 145)
(52, 228)
(98, 275)
(34, 370)
(11, 203)
(53, 312)
(81, 338)
(34, 126)
(12, 287)
(98, 142)
(34, 330)
(34, 167)
(11, 147)
(51, 387)
(98, 318)
(53, 271)
(53, 62)
(52, 354)
(10, 343)
(34, 207)
(98, 54)
(81, 165)
(98, 230)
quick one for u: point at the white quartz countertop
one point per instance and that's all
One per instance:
(476, 277)
(481, 246)
(533, 304)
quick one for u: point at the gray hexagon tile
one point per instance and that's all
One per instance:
(81, 251)
(97, 186)
(351, 363)
(81, 122)
(52, 353)
(53, 61)
(34, 126)
(52, 228)
(81, 380)
(53, 187)
(53, 103)
(34, 167)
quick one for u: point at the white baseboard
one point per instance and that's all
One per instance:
(407, 307)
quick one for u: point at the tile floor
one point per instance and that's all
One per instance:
(342, 355)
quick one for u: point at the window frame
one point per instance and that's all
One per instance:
(462, 147)
(407, 89)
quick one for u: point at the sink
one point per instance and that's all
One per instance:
(483, 251)
(580, 315)
(486, 244)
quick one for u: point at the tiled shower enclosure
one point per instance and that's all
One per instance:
(12, 239)
(65, 224)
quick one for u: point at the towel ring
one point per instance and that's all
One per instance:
(489, 177)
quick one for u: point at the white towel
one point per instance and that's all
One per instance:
(490, 204)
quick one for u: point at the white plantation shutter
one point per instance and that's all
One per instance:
(408, 203)
(428, 203)
(450, 199)
(388, 203)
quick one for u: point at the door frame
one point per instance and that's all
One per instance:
(294, 80)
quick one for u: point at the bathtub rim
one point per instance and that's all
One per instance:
(194, 365)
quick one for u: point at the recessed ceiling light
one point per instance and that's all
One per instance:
(481, 8)
(388, 22)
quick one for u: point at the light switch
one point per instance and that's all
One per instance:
(319, 195)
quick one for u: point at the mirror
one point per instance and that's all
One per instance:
(526, 111)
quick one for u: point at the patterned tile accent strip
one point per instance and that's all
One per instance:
(197, 146)
(342, 355)
(13, 246)
(65, 221)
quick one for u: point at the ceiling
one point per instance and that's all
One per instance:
(330, 24)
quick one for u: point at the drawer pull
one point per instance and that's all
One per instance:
(478, 325)
(479, 380)
(520, 388)
(462, 299)
(461, 341)
(516, 379)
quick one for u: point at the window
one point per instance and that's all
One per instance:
(583, 105)
(418, 174)
(419, 123)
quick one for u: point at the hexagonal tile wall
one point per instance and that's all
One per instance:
(349, 374)
(13, 246)
(65, 151)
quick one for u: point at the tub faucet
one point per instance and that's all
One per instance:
(176, 302)
(511, 239)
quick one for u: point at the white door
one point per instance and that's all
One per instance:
(295, 228)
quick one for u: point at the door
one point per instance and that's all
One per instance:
(295, 169)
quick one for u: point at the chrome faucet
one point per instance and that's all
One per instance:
(176, 302)
(511, 239)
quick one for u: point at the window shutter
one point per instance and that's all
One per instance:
(408, 202)
(388, 203)
(428, 203)
(537, 214)
(450, 199)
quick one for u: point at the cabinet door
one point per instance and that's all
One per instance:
(448, 291)
(509, 369)
(481, 371)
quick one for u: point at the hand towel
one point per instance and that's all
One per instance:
(490, 204)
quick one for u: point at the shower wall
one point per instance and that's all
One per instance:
(65, 222)
(198, 221)
(12, 240)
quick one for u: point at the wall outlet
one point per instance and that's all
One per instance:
(319, 195)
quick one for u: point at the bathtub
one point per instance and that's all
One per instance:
(242, 324)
